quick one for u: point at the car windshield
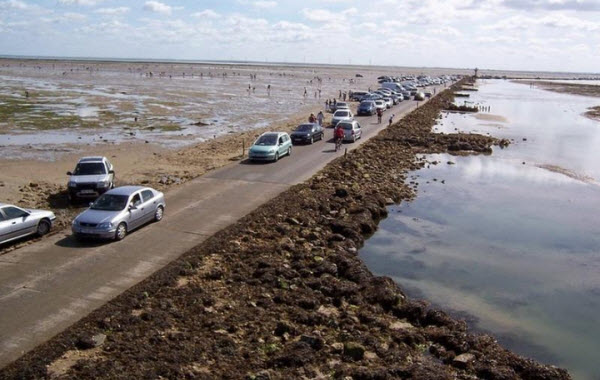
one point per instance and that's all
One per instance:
(110, 202)
(341, 114)
(346, 126)
(90, 168)
(304, 128)
(266, 140)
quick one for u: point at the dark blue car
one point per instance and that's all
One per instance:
(366, 107)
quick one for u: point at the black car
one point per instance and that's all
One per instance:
(307, 133)
(366, 107)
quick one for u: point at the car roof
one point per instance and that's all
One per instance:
(91, 159)
(126, 190)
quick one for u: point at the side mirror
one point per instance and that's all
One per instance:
(69, 173)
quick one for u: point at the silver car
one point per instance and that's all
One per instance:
(119, 211)
(352, 130)
(341, 115)
(16, 222)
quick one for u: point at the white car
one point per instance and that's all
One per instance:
(341, 115)
(352, 130)
(380, 105)
(92, 177)
(16, 222)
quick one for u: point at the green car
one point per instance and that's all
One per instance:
(270, 146)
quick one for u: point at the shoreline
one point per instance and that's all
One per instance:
(282, 292)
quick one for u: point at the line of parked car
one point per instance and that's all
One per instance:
(114, 213)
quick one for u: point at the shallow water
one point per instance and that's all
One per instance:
(510, 241)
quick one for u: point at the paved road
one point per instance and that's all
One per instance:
(47, 286)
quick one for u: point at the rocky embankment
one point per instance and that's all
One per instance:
(282, 293)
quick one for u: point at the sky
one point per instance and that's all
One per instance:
(535, 35)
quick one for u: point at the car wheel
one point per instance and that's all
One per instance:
(43, 228)
(121, 231)
(312, 140)
(289, 152)
(159, 213)
(276, 157)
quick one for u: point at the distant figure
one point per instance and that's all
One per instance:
(379, 115)
(320, 117)
(305, 92)
(26, 94)
(319, 93)
(340, 94)
(391, 120)
(327, 104)
(312, 118)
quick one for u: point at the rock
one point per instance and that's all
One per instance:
(336, 237)
(33, 185)
(341, 192)
(354, 351)
(86, 343)
(389, 201)
(399, 325)
(313, 341)
(463, 360)
(337, 347)
(293, 221)
(282, 328)
(328, 311)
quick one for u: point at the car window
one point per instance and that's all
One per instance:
(136, 200)
(110, 202)
(2, 216)
(147, 195)
(269, 139)
(13, 212)
(304, 128)
(90, 168)
(281, 140)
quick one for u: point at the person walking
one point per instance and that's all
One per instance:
(320, 117)
(391, 120)
(379, 115)
(312, 118)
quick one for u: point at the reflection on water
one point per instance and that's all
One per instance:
(515, 246)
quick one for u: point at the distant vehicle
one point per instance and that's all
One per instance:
(419, 96)
(270, 146)
(16, 222)
(380, 104)
(392, 85)
(342, 106)
(352, 130)
(92, 177)
(307, 133)
(388, 102)
(358, 95)
(119, 211)
(373, 96)
(341, 115)
(366, 107)
(428, 94)
(406, 94)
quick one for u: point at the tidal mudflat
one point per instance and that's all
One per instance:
(509, 241)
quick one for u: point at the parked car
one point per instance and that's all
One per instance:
(341, 115)
(366, 107)
(119, 211)
(270, 146)
(358, 95)
(352, 130)
(92, 177)
(388, 102)
(16, 222)
(307, 133)
(341, 106)
(380, 104)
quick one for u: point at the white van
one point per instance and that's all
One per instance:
(392, 86)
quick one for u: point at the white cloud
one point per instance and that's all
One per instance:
(320, 15)
(208, 13)
(158, 7)
(112, 11)
(264, 4)
(13, 4)
(80, 2)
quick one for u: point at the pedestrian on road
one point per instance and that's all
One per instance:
(391, 120)
(320, 117)
(379, 115)
(312, 118)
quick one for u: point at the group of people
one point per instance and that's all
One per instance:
(316, 119)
